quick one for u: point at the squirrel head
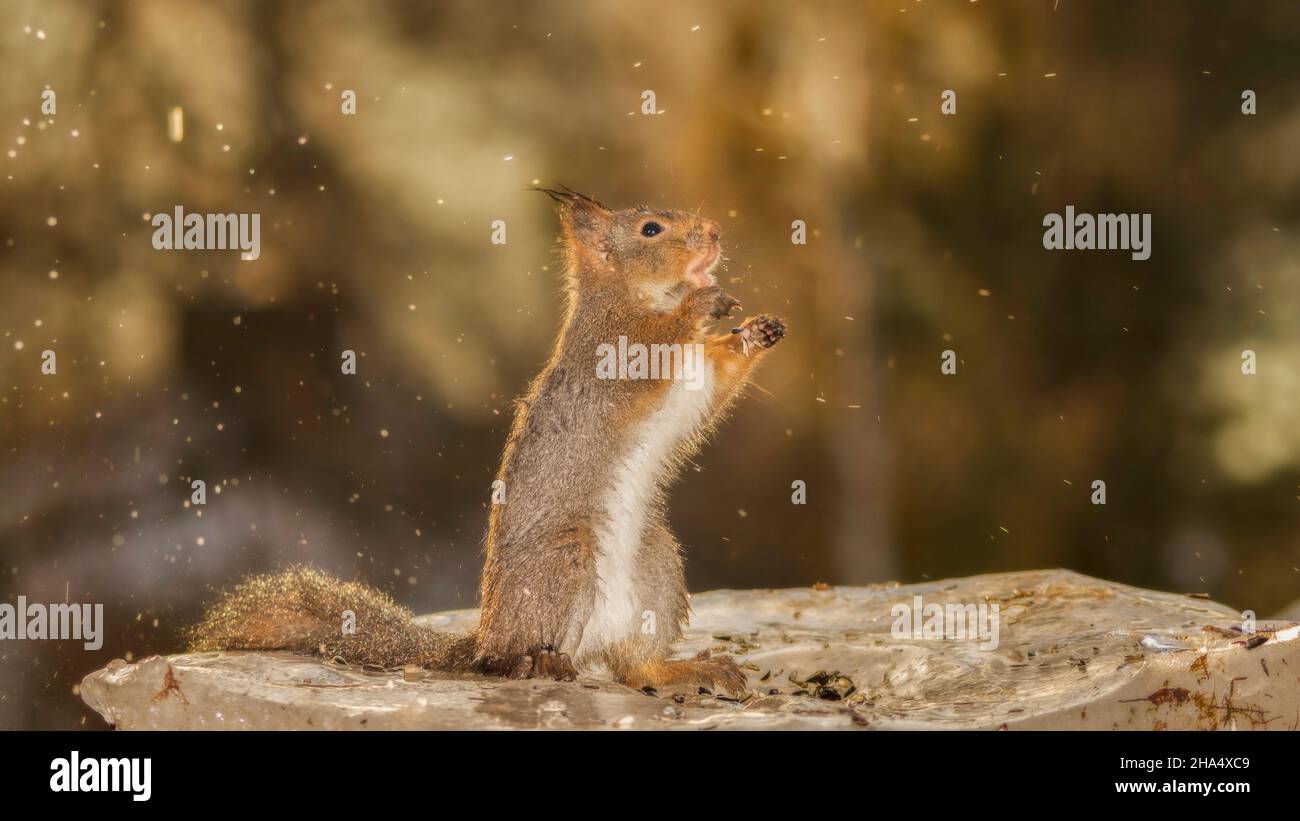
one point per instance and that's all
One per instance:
(661, 255)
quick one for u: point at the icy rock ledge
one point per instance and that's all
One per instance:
(1074, 653)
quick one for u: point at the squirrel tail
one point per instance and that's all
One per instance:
(305, 609)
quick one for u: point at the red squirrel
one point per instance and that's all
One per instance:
(583, 574)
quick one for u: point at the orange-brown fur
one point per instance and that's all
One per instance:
(544, 598)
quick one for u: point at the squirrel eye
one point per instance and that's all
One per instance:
(650, 229)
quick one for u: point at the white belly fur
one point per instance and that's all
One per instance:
(616, 613)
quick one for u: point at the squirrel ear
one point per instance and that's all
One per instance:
(584, 224)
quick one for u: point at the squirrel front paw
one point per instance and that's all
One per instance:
(761, 331)
(710, 302)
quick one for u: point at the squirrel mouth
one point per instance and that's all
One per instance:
(700, 272)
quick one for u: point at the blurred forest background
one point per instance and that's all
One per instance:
(925, 235)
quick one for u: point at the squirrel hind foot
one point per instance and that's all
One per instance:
(544, 662)
(715, 673)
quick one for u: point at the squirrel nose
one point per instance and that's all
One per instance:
(713, 230)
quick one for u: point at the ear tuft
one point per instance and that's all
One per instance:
(584, 222)
(570, 197)
(583, 198)
(556, 196)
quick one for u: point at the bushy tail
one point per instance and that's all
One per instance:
(304, 609)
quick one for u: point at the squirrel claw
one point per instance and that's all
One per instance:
(714, 302)
(545, 662)
(725, 306)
